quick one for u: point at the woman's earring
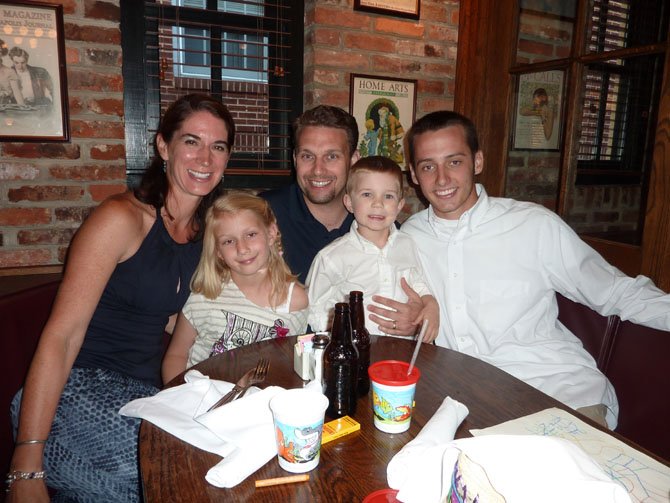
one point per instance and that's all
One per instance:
(164, 166)
(221, 181)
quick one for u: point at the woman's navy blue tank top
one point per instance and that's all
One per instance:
(126, 331)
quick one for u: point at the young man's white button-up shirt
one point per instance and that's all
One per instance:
(494, 273)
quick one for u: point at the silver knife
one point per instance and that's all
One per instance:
(237, 389)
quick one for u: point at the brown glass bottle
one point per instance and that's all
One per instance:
(340, 366)
(361, 339)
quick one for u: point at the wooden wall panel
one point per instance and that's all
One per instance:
(483, 80)
(656, 240)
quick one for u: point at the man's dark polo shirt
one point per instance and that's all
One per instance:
(303, 236)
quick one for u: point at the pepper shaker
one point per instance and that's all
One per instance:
(319, 343)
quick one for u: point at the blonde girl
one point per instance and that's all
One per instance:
(242, 290)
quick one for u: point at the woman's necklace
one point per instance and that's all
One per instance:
(167, 216)
(170, 222)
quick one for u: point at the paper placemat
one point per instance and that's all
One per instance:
(643, 477)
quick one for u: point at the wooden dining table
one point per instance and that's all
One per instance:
(352, 466)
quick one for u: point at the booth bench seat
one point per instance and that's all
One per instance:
(634, 359)
(23, 314)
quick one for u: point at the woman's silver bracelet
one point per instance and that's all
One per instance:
(15, 475)
(28, 442)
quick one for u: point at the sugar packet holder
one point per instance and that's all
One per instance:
(307, 357)
(301, 353)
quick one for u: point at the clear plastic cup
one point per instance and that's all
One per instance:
(392, 394)
(298, 419)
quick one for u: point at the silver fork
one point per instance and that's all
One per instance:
(254, 376)
(258, 376)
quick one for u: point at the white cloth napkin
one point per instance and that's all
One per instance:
(532, 468)
(241, 431)
(416, 470)
(520, 468)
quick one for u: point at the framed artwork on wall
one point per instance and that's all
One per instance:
(402, 8)
(33, 83)
(539, 102)
(384, 109)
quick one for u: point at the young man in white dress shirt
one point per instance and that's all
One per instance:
(495, 266)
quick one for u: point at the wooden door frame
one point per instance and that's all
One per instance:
(656, 237)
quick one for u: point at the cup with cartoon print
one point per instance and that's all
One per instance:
(298, 416)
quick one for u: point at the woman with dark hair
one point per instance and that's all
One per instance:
(127, 275)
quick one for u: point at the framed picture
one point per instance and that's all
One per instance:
(384, 108)
(401, 8)
(33, 84)
(539, 102)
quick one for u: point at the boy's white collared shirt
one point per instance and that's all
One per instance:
(354, 263)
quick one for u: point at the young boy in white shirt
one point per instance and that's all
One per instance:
(373, 257)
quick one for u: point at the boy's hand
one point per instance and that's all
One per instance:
(398, 318)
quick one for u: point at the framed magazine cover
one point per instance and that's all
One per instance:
(539, 101)
(33, 83)
(384, 109)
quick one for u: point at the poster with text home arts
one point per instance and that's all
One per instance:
(384, 109)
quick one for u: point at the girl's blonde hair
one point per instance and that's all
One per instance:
(212, 272)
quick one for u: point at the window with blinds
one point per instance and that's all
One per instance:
(620, 93)
(246, 52)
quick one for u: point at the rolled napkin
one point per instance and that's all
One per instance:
(242, 431)
(417, 469)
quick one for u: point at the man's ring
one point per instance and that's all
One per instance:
(394, 325)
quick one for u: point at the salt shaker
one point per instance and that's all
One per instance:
(319, 343)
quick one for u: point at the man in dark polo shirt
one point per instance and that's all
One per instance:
(310, 211)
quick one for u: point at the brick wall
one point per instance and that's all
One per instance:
(533, 176)
(606, 211)
(340, 41)
(47, 189)
(543, 37)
